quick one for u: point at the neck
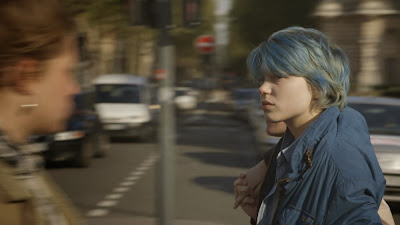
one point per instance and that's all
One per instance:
(298, 125)
(14, 133)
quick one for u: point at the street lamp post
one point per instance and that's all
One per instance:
(167, 119)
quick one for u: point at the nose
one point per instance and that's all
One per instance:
(265, 88)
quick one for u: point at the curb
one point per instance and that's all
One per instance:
(145, 221)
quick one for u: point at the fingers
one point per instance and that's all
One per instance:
(238, 201)
(248, 201)
(241, 189)
(250, 209)
(241, 180)
(242, 192)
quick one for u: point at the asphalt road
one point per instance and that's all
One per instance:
(212, 149)
(122, 187)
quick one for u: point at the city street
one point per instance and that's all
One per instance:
(122, 187)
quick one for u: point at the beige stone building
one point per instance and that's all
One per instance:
(369, 31)
(106, 53)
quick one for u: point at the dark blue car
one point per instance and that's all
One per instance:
(83, 138)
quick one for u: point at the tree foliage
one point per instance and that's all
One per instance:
(187, 59)
(255, 20)
(108, 17)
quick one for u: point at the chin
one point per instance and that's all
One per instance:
(270, 120)
(52, 128)
(59, 127)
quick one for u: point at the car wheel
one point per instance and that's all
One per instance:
(101, 144)
(84, 156)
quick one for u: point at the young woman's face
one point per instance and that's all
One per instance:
(56, 88)
(286, 99)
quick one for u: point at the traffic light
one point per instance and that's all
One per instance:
(157, 14)
(82, 39)
(191, 12)
(140, 12)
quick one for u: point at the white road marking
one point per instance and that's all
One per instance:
(143, 168)
(148, 163)
(132, 178)
(107, 203)
(121, 189)
(127, 183)
(137, 173)
(98, 212)
(114, 196)
(118, 192)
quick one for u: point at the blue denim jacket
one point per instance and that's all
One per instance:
(330, 175)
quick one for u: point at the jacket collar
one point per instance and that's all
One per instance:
(294, 157)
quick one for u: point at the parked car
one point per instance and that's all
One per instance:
(241, 99)
(185, 98)
(383, 118)
(83, 138)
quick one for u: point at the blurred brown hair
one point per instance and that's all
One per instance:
(31, 29)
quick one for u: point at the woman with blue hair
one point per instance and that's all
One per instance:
(326, 168)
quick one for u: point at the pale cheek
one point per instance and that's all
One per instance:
(294, 98)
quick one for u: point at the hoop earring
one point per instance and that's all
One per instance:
(27, 106)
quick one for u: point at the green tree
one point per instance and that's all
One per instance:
(255, 20)
(108, 17)
(188, 61)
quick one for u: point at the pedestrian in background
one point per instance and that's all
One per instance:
(326, 168)
(38, 53)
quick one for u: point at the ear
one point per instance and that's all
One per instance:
(26, 73)
(316, 94)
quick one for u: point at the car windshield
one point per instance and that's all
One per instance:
(381, 119)
(118, 93)
(179, 92)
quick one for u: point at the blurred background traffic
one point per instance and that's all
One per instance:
(214, 128)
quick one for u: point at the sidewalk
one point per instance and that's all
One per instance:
(141, 220)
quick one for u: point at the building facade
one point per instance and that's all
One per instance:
(369, 32)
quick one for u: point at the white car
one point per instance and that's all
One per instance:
(123, 104)
(383, 118)
(242, 99)
(185, 98)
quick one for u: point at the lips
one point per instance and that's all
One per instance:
(266, 104)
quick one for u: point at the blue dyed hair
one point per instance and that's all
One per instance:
(307, 53)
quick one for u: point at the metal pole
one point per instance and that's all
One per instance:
(167, 116)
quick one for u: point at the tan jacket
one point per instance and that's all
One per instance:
(16, 207)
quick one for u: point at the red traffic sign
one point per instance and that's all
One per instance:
(205, 44)
(161, 74)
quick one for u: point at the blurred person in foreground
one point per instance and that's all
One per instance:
(37, 60)
(326, 169)
(251, 188)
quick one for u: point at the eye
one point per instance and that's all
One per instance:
(274, 78)
(260, 81)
